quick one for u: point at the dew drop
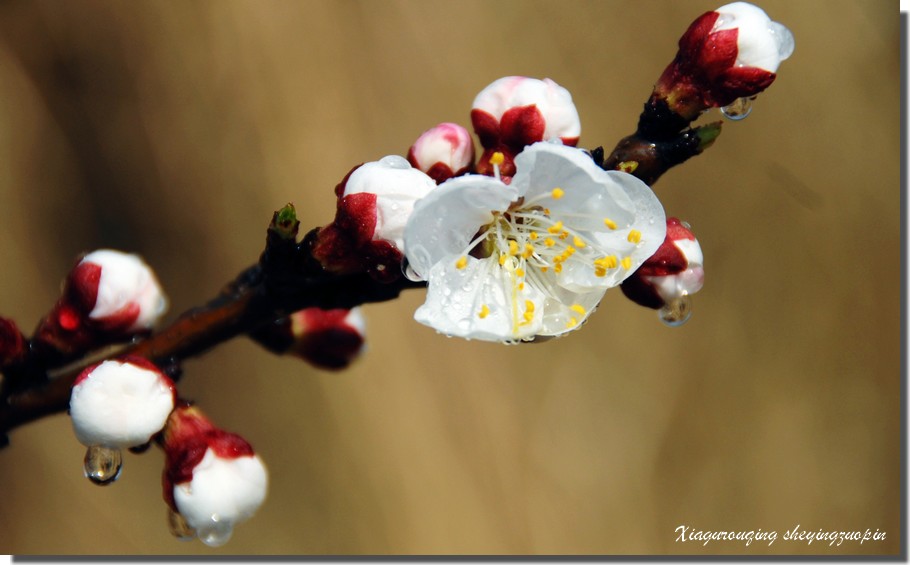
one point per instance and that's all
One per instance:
(738, 110)
(784, 38)
(676, 312)
(176, 523)
(216, 533)
(395, 162)
(102, 465)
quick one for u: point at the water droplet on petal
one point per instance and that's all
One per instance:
(102, 465)
(176, 523)
(395, 162)
(676, 312)
(738, 110)
(216, 533)
(784, 38)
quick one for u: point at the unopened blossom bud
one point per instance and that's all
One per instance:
(675, 271)
(329, 339)
(212, 478)
(514, 112)
(109, 295)
(120, 403)
(443, 152)
(730, 53)
(375, 201)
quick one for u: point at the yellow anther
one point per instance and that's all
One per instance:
(557, 268)
(569, 251)
(634, 236)
(549, 242)
(546, 211)
(571, 323)
(555, 228)
(513, 247)
(627, 166)
(544, 269)
(529, 306)
(502, 260)
(529, 250)
(520, 272)
(579, 242)
(610, 223)
(627, 263)
(528, 316)
(497, 158)
(564, 235)
(578, 309)
(600, 271)
(461, 263)
(608, 262)
(521, 286)
(533, 235)
(484, 312)
(558, 193)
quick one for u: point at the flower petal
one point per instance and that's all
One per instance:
(481, 300)
(446, 220)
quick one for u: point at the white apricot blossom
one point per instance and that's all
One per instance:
(508, 262)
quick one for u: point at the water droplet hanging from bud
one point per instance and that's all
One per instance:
(676, 312)
(102, 465)
(738, 110)
(216, 533)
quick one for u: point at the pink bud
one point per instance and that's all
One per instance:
(120, 403)
(212, 478)
(675, 270)
(330, 339)
(375, 201)
(443, 152)
(732, 52)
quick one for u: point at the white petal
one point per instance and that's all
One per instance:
(757, 43)
(397, 187)
(446, 220)
(560, 317)
(125, 279)
(120, 405)
(480, 301)
(229, 490)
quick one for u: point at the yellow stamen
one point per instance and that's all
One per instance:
(634, 236)
(627, 263)
(555, 228)
(461, 263)
(502, 260)
(497, 158)
(610, 223)
(558, 193)
(549, 242)
(564, 235)
(521, 286)
(579, 309)
(520, 272)
(544, 269)
(529, 306)
(529, 250)
(571, 323)
(579, 242)
(557, 268)
(627, 166)
(484, 312)
(533, 235)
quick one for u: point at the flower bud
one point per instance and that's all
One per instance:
(514, 112)
(109, 295)
(730, 53)
(443, 152)
(675, 270)
(375, 201)
(212, 478)
(329, 339)
(120, 404)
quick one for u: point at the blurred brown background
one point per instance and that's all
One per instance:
(174, 129)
